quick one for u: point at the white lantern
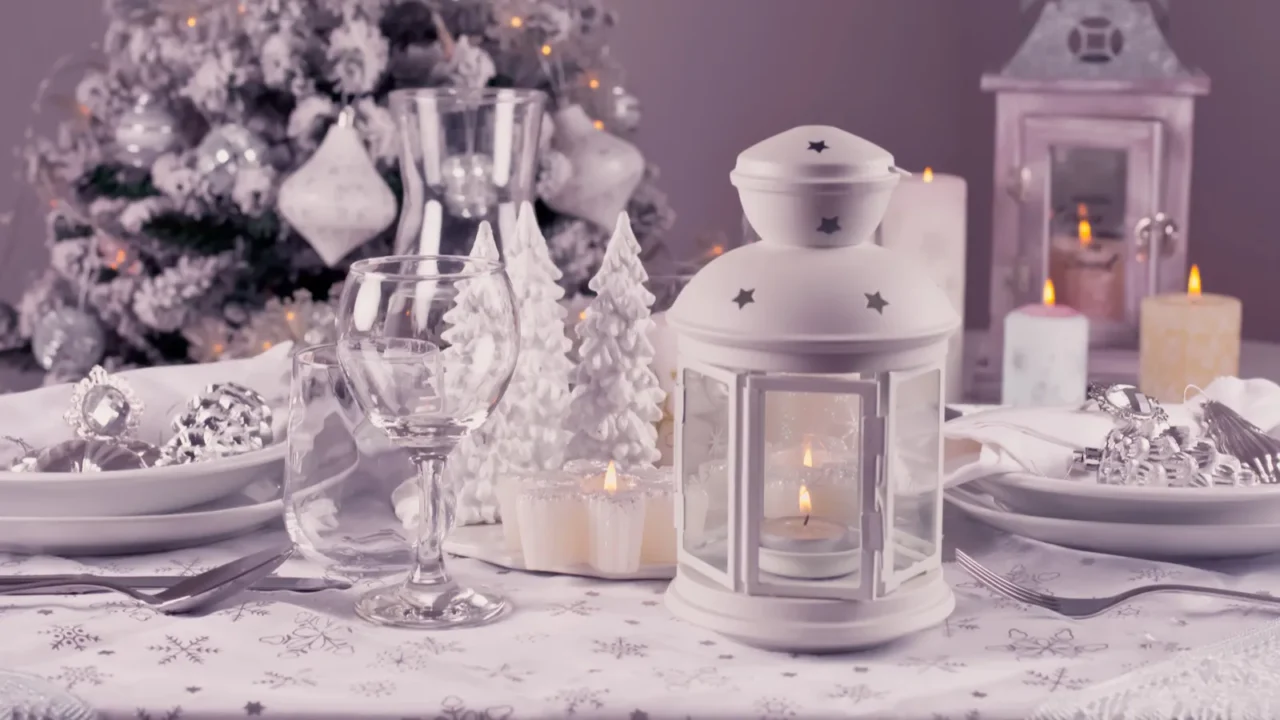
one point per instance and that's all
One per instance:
(809, 417)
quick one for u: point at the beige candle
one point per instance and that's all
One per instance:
(1187, 339)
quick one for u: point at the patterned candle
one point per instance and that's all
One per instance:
(1187, 339)
(1089, 272)
(1046, 354)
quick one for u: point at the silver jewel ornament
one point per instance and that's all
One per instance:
(103, 406)
(144, 132)
(224, 152)
(68, 339)
(469, 191)
(1256, 450)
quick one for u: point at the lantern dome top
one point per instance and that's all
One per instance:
(811, 154)
(775, 298)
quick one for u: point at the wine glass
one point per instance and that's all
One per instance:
(428, 343)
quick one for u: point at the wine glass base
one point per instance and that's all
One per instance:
(423, 609)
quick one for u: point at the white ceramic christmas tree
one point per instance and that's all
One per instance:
(537, 400)
(616, 397)
(473, 466)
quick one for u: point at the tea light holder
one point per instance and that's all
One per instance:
(812, 332)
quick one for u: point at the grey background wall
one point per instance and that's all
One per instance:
(718, 75)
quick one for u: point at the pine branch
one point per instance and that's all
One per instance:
(115, 181)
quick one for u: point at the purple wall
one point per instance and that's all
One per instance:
(718, 75)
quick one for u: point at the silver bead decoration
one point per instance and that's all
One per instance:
(469, 191)
(226, 419)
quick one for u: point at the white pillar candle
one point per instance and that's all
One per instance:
(1187, 339)
(926, 219)
(1046, 354)
(615, 526)
(553, 527)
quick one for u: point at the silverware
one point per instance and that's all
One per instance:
(1089, 607)
(163, 582)
(191, 593)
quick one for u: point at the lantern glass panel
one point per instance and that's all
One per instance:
(806, 466)
(704, 446)
(1087, 229)
(914, 472)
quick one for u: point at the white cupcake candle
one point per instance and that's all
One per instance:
(615, 526)
(552, 526)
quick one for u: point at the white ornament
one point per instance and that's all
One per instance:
(473, 321)
(337, 200)
(606, 169)
(617, 400)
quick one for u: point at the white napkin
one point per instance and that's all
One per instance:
(36, 416)
(1040, 440)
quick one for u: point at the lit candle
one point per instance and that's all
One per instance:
(615, 526)
(1046, 354)
(807, 547)
(826, 475)
(1090, 273)
(1187, 339)
(926, 219)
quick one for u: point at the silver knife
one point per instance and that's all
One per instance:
(162, 582)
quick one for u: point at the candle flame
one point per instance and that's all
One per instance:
(806, 505)
(1193, 282)
(927, 175)
(1049, 296)
(808, 454)
(611, 478)
(1085, 230)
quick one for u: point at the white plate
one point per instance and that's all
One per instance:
(232, 515)
(486, 542)
(146, 491)
(1173, 542)
(1084, 499)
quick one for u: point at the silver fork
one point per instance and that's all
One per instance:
(1089, 607)
(190, 594)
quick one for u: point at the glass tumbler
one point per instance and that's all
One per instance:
(342, 476)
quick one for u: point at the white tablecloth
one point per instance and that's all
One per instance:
(584, 648)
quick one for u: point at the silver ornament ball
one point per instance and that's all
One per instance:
(225, 151)
(626, 110)
(469, 191)
(144, 132)
(69, 339)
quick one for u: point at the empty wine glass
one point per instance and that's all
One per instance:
(428, 343)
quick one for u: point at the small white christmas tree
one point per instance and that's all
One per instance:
(616, 398)
(537, 401)
(473, 321)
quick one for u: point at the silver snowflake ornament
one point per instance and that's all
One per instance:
(103, 407)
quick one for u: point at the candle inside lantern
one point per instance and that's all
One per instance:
(825, 471)
(805, 546)
(1186, 339)
(1089, 271)
(1046, 354)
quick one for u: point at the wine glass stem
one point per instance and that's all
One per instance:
(435, 517)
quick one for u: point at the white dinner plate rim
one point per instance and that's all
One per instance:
(271, 453)
(1099, 491)
(163, 517)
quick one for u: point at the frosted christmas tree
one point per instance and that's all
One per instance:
(472, 323)
(616, 397)
(537, 400)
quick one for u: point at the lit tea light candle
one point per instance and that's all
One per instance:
(1046, 354)
(826, 474)
(1187, 339)
(807, 547)
(1093, 275)
(615, 526)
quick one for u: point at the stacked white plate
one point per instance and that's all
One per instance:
(149, 509)
(1153, 522)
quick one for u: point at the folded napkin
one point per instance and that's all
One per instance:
(36, 416)
(1040, 441)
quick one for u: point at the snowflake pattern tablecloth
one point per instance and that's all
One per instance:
(584, 648)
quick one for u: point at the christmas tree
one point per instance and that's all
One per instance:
(616, 398)
(537, 401)
(472, 322)
(165, 231)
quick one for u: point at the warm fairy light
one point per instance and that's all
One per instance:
(83, 110)
(218, 349)
(266, 344)
(546, 49)
(806, 505)
(717, 250)
(517, 21)
(927, 175)
(242, 8)
(290, 315)
(1049, 296)
(120, 257)
(1193, 282)
(808, 454)
(594, 83)
(191, 21)
(611, 478)
(582, 315)
(599, 124)
(1085, 230)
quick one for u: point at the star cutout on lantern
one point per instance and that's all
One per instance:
(830, 225)
(875, 302)
(745, 298)
(818, 146)
(253, 708)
